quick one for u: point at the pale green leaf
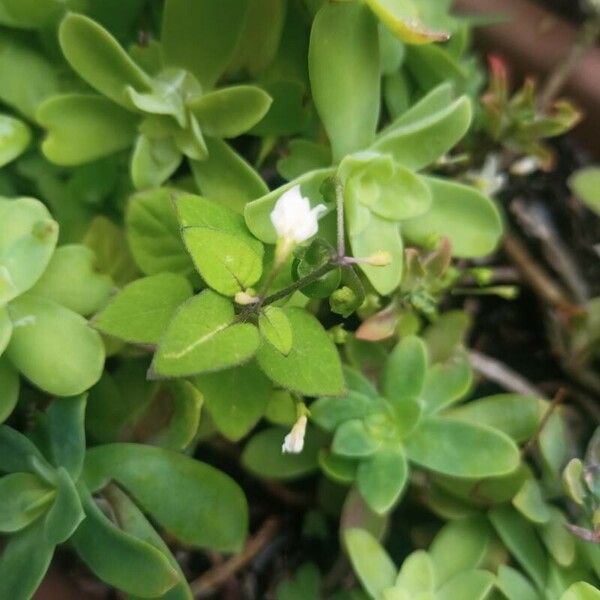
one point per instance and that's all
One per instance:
(14, 138)
(99, 59)
(460, 213)
(71, 280)
(81, 128)
(343, 62)
(462, 449)
(27, 240)
(381, 479)
(9, 389)
(371, 563)
(54, 347)
(141, 311)
(231, 111)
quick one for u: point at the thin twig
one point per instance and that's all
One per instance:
(559, 76)
(534, 220)
(560, 395)
(208, 583)
(536, 276)
(499, 373)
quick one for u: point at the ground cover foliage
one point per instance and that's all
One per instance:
(239, 240)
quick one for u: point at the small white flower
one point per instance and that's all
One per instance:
(293, 218)
(294, 440)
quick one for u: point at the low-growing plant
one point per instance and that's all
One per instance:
(252, 233)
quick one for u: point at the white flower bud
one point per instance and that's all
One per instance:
(294, 440)
(293, 218)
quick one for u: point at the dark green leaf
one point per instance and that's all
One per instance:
(208, 510)
(24, 497)
(66, 513)
(236, 398)
(203, 337)
(313, 365)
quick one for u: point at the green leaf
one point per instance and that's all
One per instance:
(24, 497)
(27, 239)
(378, 235)
(466, 217)
(460, 546)
(305, 585)
(54, 347)
(343, 60)
(21, 61)
(153, 233)
(66, 513)
(354, 440)
(516, 415)
(24, 562)
(231, 111)
(475, 585)
(521, 540)
(5, 329)
(530, 502)
(329, 413)
(387, 188)
(64, 423)
(337, 468)
(18, 454)
(514, 585)
(72, 280)
(554, 442)
(153, 161)
(29, 14)
(446, 383)
(559, 541)
(236, 398)
(370, 561)
(416, 574)
(201, 35)
(434, 101)
(418, 144)
(263, 456)
(303, 156)
(381, 479)
(133, 521)
(275, 328)
(15, 136)
(185, 408)
(227, 257)
(203, 337)
(581, 591)
(402, 18)
(227, 177)
(585, 183)
(98, 59)
(312, 366)
(405, 370)
(9, 389)
(462, 449)
(141, 311)
(120, 559)
(208, 510)
(82, 128)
